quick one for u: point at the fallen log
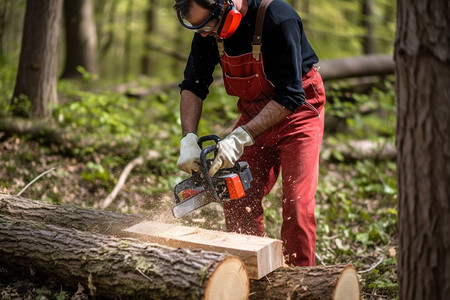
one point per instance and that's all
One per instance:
(332, 69)
(64, 215)
(260, 255)
(368, 65)
(319, 282)
(111, 267)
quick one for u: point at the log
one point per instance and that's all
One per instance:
(115, 268)
(339, 282)
(368, 65)
(332, 69)
(64, 215)
(260, 255)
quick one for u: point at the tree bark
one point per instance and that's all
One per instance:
(81, 38)
(331, 282)
(105, 34)
(127, 43)
(423, 141)
(36, 77)
(4, 10)
(367, 23)
(150, 21)
(112, 267)
(83, 219)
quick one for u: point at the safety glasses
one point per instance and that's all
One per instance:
(206, 26)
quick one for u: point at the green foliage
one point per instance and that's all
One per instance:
(8, 72)
(86, 75)
(98, 113)
(335, 27)
(44, 293)
(368, 115)
(383, 279)
(95, 171)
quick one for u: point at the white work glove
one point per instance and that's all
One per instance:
(189, 154)
(230, 149)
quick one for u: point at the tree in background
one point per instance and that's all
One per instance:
(35, 89)
(4, 8)
(368, 41)
(423, 140)
(81, 38)
(150, 17)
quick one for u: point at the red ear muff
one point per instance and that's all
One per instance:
(230, 22)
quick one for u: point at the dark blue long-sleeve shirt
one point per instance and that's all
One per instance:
(287, 54)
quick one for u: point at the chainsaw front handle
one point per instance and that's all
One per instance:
(204, 168)
(211, 137)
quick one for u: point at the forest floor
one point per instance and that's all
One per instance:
(352, 228)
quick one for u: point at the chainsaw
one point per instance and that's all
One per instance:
(201, 189)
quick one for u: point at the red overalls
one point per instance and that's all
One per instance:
(291, 146)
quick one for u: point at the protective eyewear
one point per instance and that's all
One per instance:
(206, 26)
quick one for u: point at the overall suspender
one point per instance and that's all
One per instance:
(256, 44)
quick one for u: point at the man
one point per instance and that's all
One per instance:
(268, 63)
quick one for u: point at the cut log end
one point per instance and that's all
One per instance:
(229, 280)
(347, 286)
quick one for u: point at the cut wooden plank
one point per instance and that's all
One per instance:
(260, 255)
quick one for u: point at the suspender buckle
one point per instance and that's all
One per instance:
(256, 50)
(220, 46)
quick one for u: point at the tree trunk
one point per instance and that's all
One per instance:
(423, 141)
(105, 34)
(4, 10)
(127, 43)
(367, 23)
(35, 90)
(81, 38)
(150, 19)
(112, 267)
(331, 282)
(305, 10)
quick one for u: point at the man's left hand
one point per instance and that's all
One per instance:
(230, 149)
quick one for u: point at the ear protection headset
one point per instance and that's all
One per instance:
(230, 21)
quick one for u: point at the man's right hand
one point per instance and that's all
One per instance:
(189, 154)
